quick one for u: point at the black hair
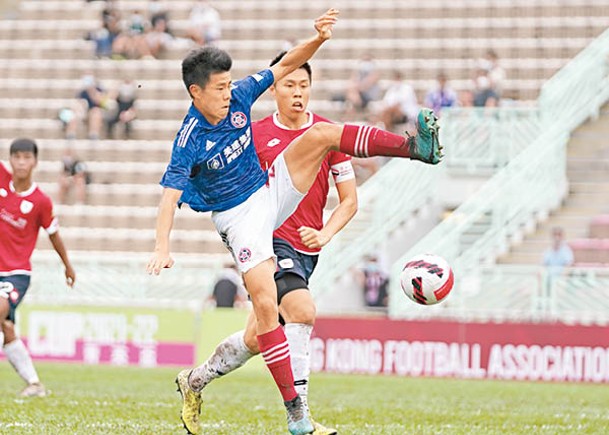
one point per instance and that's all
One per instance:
(25, 145)
(202, 63)
(304, 66)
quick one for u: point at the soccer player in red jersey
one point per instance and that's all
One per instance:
(24, 209)
(297, 242)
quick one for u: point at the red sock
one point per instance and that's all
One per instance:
(276, 353)
(366, 141)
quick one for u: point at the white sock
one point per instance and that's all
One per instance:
(299, 339)
(20, 359)
(229, 355)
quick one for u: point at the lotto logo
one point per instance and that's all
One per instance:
(244, 255)
(238, 119)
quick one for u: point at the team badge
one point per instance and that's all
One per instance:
(26, 207)
(244, 255)
(238, 119)
(14, 295)
(215, 163)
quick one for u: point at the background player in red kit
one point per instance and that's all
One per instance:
(297, 242)
(24, 209)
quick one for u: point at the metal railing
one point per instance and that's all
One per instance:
(530, 186)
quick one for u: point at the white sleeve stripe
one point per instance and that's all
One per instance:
(53, 228)
(185, 134)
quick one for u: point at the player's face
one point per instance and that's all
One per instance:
(292, 93)
(22, 163)
(213, 101)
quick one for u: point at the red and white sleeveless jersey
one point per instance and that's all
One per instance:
(21, 217)
(271, 138)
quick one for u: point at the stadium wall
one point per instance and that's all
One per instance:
(508, 351)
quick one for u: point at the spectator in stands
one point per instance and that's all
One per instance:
(441, 95)
(363, 87)
(228, 290)
(123, 109)
(495, 72)
(374, 282)
(484, 94)
(91, 100)
(107, 32)
(205, 25)
(74, 174)
(399, 104)
(157, 39)
(559, 255)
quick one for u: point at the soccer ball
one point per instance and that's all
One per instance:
(427, 279)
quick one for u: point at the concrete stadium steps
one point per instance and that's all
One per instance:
(435, 48)
(108, 172)
(121, 239)
(239, 9)
(128, 217)
(106, 150)
(588, 175)
(327, 74)
(98, 194)
(389, 27)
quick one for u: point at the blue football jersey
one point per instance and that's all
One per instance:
(216, 166)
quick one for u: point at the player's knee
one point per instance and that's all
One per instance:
(265, 307)
(306, 315)
(322, 133)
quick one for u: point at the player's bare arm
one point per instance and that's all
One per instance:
(60, 248)
(347, 194)
(161, 258)
(301, 53)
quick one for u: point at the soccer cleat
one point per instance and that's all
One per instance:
(298, 417)
(191, 403)
(425, 146)
(322, 430)
(34, 390)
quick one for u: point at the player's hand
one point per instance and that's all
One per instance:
(325, 23)
(70, 276)
(159, 260)
(313, 238)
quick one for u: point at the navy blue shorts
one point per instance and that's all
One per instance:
(290, 261)
(20, 284)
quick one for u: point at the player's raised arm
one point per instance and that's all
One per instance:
(301, 53)
(161, 257)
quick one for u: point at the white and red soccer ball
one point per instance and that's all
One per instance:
(427, 279)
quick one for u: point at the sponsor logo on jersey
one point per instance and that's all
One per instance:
(238, 119)
(234, 150)
(273, 142)
(244, 255)
(286, 263)
(215, 163)
(209, 145)
(26, 206)
(10, 219)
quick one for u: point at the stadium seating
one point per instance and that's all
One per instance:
(43, 54)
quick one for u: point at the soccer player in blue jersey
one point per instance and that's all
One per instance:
(214, 167)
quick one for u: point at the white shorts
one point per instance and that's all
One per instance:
(247, 229)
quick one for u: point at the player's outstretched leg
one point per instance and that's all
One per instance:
(191, 403)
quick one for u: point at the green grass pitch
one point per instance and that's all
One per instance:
(110, 400)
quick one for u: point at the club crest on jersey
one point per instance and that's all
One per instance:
(244, 255)
(215, 163)
(238, 119)
(26, 207)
